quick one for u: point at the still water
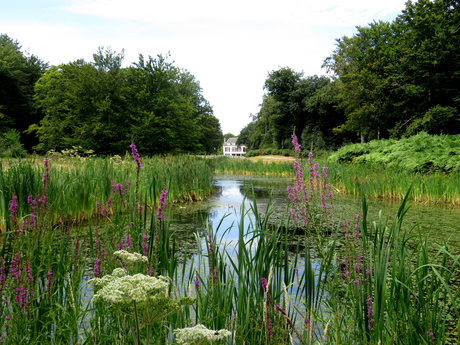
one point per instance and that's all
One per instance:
(440, 223)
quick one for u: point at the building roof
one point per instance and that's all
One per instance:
(231, 141)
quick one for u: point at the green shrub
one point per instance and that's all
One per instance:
(419, 153)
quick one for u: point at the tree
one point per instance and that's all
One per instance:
(84, 105)
(244, 138)
(280, 84)
(392, 74)
(229, 135)
(18, 73)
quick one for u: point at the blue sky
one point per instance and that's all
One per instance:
(230, 46)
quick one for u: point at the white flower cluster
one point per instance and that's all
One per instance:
(199, 335)
(130, 258)
(120, 287)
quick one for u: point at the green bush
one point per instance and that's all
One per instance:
(419, 153)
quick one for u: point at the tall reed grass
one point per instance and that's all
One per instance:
(376, 181)
(77, 184)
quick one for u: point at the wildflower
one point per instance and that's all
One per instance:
(264, 284)
(277, 307)
(49, 283)
(46, 174)
(128, 242)
(97, 268)
(136, 157)
(431, 335)
(130, 258)
(162, 203)
(370, 313)
(120, 287)
(197, 283)
(144, 244)
(16, 267)
(199, 334)
(14, 210)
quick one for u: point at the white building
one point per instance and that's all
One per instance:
(232, 150)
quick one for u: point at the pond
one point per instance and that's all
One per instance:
(441, 223)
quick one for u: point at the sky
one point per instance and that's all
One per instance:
(229, 46)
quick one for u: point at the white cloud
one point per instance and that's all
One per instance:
(325, 13)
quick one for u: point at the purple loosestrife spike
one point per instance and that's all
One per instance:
(97, 268)
(49, 283)
(144, 245)
(128, 243)
(120, 246)
(2, 276)
(29, 277)
(162, 203)
(431, 335)
(14, 211)
(370, 312)
(197, 283)
(136, 157)
(15, 268)
(264, 284)
(277, 307)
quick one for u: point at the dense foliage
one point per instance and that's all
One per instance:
(103, 106)
(418, 153)
(389, 80)
(18, 73)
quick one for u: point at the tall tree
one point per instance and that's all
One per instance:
(280, 84)
(18, 73)
(84, 105)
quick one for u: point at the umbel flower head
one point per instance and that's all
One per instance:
(120, 287)
(130, 258)
(199, 335)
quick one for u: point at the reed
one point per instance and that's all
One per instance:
(77, 184)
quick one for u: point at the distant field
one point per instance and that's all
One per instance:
(270, 159)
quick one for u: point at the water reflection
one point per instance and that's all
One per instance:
(225, 205)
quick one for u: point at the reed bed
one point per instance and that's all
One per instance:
(77, 184)
(224, 165)
(124, 278)
(375, 181)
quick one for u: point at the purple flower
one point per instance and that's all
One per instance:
(197, 283)
(46, 174)
(264, 284)
(14, 211)
(49, 283)
(97, 268)
(370, 313)
(144, 245)
(120, 246)
(128, 242)
(431, 335)
(2, 276)
(16, 267)
(162, 203)
(277, 307)
(29, 277)
(136, 157)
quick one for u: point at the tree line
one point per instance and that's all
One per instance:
(103, 106)
(389, 80)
